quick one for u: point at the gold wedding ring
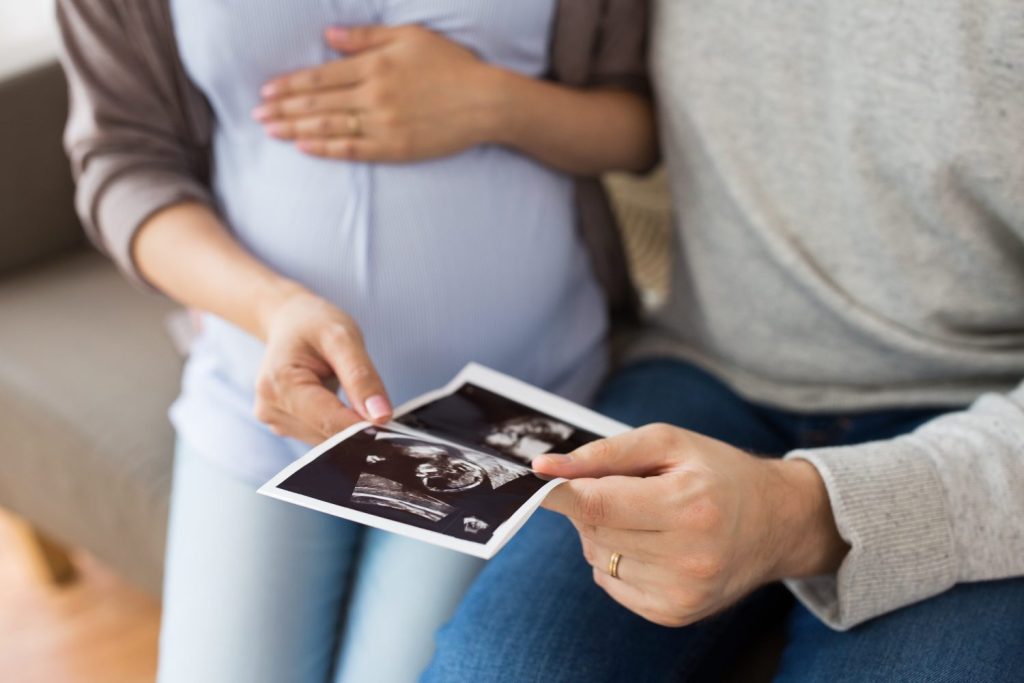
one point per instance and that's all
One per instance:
(353, 124)
(613, 565)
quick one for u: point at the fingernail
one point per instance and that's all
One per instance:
(377, 407)
(337, 33)
(269, 90)
(556, 458)
(262, 113)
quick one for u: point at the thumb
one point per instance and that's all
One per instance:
(352, 39)
(638, 452)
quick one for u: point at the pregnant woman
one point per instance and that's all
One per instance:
(329, 180)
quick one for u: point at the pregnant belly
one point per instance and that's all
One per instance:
(473, 257)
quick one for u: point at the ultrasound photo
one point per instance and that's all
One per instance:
(451, 469)
(429, 484)
(483, 419)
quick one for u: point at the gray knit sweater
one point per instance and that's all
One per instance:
(849, 189)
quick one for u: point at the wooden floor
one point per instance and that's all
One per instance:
(95, 630)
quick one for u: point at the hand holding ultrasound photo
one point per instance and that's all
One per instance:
(452, 468)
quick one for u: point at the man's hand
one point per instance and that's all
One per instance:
(699, 523)
(402, 93)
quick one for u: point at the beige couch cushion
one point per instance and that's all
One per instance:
(87, 373)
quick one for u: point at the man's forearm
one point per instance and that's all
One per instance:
(186, 252)
(579, 131)
(923, 512)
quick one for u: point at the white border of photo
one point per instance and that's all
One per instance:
(486, 378)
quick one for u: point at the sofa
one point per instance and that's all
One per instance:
(87, 370)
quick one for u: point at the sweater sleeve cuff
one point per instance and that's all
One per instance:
(891, 508)
(129, 200)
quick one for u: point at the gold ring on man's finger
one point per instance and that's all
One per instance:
(613, 565)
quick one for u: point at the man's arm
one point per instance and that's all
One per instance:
(923, 512)
(878, 526)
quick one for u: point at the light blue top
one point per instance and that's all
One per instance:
(474, 257)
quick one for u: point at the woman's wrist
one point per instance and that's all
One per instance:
(491, 108)
(579, 131)
(271, 296)
(512, 102)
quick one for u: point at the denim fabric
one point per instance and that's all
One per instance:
(535, 615)
(973, 633)
(258, 590)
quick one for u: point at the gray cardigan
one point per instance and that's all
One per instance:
(139, 130)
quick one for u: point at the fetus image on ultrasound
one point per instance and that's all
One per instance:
(527, 437)
(428, 483)
(487, 421)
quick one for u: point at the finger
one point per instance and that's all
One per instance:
(350, 149)
(314, 127)
(283, 424)
(629, 568)
(638, 452)
(340, 73)
(617, 502)
(643, 603)
(343, 349)
(320, 412)
(643, 544)
(634, 599)
(351, 39)
(301, 106)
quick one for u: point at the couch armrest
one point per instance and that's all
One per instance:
(37, 216)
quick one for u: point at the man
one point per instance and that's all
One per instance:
(848, 292)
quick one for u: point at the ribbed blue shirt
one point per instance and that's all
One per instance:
(473, 257)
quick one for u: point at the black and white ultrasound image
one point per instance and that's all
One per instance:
(426, 483)
(462, 468)
(486, 421)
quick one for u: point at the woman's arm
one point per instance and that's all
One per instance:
(185, 251)
(406, 93)
(132, 146)
(138, 166)
(580, 131)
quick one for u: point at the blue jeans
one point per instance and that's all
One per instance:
(535, 615)
(257, 589)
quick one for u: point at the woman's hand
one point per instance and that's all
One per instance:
(698, 523)
(311, 347)
(403, 93)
